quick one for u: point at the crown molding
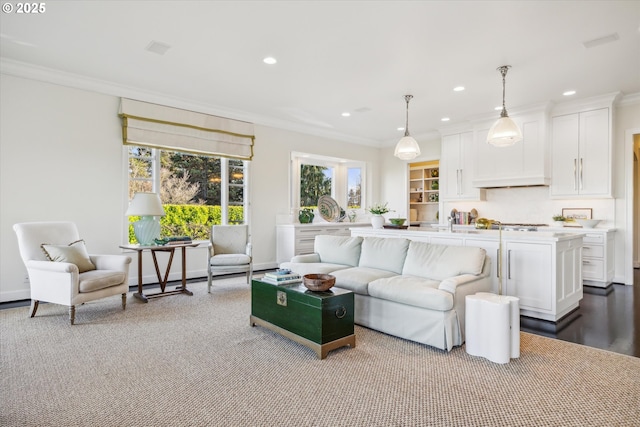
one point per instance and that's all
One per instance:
(76, 81)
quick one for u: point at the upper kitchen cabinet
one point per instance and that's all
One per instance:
(581, 154)
(457, 168)
(524, 163)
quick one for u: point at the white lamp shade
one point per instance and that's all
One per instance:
(145, 204)
(504, 132)
(407, 148)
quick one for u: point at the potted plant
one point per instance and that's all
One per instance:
(558, 220)
(377, 210)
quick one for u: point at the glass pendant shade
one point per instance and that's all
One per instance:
(407, 148)
(504, 132)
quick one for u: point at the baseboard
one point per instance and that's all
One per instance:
(21, 294)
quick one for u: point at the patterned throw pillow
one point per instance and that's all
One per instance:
(74, 253)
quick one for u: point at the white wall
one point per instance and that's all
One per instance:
(61, 158)
(270, 179)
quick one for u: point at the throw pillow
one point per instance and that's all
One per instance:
(74, 253)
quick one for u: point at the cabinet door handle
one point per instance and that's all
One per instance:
(584, 261)
(509, 264)
(575, 174)
(581, 182)
(498, 263)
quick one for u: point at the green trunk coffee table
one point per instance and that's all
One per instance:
(322, 321)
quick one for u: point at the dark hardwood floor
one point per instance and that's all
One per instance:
(607, 318)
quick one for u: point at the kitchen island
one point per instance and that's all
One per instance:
(542, 269)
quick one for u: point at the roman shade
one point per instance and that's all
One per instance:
(168, 128)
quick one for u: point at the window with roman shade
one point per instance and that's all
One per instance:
(157, 126)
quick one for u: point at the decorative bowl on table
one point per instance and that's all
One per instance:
(587, 223)
(318, 282)
(397, 221)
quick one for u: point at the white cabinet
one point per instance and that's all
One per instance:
(581, 154)
(597, 258)
(457, 164)
(529, 274)
(524, 163)
(297, 239)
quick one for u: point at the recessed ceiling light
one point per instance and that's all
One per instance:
(401, 129)
(569, 93)
(445, 119)
(346, 114)
(498, 108)
(458, 88)
(269, 60)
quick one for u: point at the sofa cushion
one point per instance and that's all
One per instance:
(338, 249)
(411, 290)
(439, 262)
(99, 279)
(384, 253)
(357, 279)
(303, 268)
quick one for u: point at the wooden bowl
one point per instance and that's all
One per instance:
(318, 282)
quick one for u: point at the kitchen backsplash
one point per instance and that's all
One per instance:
(530, 205)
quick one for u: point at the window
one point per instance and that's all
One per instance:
(314, 176)
(197, 191)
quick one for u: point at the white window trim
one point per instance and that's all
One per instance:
(339, 187)
(224, 191)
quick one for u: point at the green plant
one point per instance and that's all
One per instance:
(558, 218)
(379, 209)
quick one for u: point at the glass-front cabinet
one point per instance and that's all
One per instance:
(424, 192)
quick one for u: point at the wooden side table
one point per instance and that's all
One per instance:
(162, 280)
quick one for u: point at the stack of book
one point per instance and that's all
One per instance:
(281, 277)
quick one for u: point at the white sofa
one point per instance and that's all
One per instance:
(413, 290)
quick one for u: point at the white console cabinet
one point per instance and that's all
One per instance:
(297, 239)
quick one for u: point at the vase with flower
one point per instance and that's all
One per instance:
(377, 210)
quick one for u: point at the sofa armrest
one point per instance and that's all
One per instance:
(306, 258)
(452, 283)
(51, 267)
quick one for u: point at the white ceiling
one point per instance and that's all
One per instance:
(335, 56)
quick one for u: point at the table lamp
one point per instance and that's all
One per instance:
(149, 207)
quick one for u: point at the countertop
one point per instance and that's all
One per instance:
(469, 234)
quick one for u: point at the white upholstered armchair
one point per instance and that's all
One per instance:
(62, 272)
(229, 252)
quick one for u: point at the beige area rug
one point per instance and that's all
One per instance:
(195, 361)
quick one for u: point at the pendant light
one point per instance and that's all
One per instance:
(407, 148)
(504, 132)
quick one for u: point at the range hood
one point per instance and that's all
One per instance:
(520, 181)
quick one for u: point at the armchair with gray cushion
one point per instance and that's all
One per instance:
(229, 252)
(62, 272)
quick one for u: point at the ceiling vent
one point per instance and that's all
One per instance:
(601, 40)
(157, 47)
